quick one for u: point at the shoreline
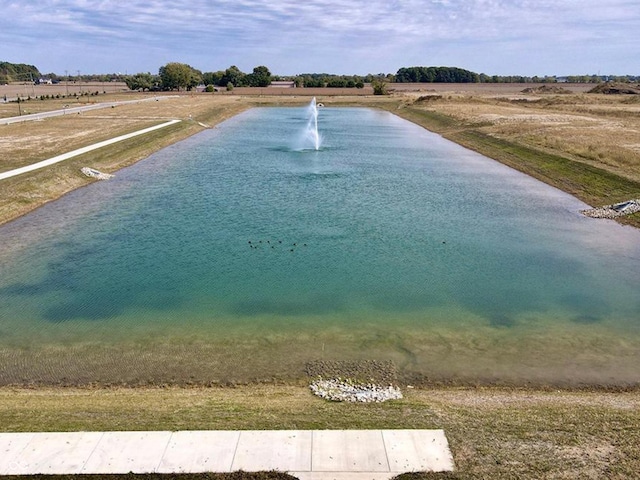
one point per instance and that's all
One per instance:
(234, 104)
(495, 431)
(492, 432)
(567, 177)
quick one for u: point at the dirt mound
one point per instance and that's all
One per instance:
(546, 89)
(616, 89)
(428, 98)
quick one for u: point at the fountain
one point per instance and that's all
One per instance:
(312, 125)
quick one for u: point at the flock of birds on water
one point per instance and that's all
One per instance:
(272, 244)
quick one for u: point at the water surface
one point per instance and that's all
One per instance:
(236, 255)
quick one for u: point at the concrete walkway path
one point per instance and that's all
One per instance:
(80, 151)
(77, 109)
(306, 454)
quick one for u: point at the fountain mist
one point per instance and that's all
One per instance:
(312, 125)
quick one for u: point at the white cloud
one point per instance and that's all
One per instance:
(341, 36)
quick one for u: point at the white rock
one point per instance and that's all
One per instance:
(339, 390)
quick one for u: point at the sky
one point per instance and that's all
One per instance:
(348, 37)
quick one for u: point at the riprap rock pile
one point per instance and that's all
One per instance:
(90, 172)
(614, 211)
(339, 390)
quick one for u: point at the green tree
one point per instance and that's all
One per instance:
(261, 77)
(141, 81)
(174, 76)
(212, 78)
(336, 82)
(18, 72)
(234, 76)
(314, 80)
(433, 74)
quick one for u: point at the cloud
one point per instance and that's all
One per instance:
(335, 36)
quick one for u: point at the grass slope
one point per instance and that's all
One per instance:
(493, 432)
(593, 185)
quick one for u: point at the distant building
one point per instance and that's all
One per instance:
(281, 84)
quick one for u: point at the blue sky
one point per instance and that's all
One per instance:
(501, 37)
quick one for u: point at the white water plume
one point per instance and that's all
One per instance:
(311, 132)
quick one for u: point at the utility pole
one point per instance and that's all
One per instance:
(66, 74)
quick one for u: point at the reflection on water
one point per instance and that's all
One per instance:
(388, 243)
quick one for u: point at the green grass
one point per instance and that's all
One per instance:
(594, 186)
(496, 433)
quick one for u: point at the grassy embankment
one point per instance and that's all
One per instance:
(493, 432)
(30, 142)
(573, 150)
(586, 145)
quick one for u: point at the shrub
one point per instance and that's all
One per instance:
(379, 87)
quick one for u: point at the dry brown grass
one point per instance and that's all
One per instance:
(493, 432)
(600, 130)
(26, 143)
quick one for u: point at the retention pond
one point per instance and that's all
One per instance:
(242, 253)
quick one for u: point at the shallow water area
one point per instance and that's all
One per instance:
(241, 254)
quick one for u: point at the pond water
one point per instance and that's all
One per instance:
(236, 256)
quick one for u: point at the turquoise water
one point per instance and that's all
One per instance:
(388, 242)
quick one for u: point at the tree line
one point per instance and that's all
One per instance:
(460, 75)
(435, 75)
(176, 76)
(181, 76)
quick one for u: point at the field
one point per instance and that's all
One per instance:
(586, 144)
(26, 89)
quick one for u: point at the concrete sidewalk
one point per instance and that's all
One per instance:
(76, 109)
(306, 454)
(80, 151)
